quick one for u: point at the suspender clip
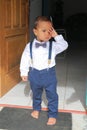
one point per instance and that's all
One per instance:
(49, 61)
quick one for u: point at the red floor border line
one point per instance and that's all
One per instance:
(44, 109)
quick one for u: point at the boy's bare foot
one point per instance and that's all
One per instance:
(51, 121)
(35, 114)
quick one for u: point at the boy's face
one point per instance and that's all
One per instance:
(43, 32)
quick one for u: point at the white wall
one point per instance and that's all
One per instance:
(35, 10)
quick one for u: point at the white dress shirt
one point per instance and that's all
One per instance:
(40, 55)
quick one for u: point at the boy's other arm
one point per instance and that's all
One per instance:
(24, 64)
(24, 78)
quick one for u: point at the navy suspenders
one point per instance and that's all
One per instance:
(31, 52)
(49, 53)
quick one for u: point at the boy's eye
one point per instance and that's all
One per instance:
(44, 30)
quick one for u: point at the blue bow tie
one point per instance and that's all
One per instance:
(38, 45)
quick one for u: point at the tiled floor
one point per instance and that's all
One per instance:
(72, 80)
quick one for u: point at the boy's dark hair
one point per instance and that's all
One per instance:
(41, 18)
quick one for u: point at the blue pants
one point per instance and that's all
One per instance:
(44, 79)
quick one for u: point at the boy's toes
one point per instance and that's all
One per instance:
(51, 121)
(35, 114)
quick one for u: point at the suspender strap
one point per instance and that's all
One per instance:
(49, 54)
(31, 51)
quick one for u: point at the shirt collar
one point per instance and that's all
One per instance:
(35, 40)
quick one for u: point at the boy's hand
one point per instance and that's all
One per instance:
(53, 32)
(24, 78)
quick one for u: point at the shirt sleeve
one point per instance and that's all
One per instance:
(60, 44)
(25, 61)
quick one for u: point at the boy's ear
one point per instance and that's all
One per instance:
(35, 31)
